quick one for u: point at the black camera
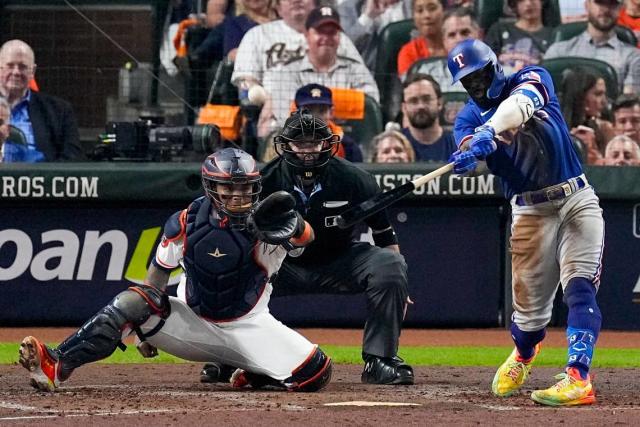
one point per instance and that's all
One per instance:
(144, 140)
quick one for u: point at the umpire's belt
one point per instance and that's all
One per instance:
(555, 192)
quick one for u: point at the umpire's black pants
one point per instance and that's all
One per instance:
(380, 273)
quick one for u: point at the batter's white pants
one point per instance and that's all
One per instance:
(551, 243)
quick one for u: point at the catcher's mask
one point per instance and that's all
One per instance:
(306, 143)
(232, 182)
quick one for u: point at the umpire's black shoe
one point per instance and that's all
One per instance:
(214, 372)
(386, 370)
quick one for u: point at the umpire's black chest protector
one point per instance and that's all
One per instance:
(223, 279)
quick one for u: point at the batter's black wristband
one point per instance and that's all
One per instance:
(385, 237)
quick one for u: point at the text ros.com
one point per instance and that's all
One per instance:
(56, 186)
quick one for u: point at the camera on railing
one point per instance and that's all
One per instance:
(145, 140)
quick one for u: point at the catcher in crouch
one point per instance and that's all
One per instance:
(230, 247)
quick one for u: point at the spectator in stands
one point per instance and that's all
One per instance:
(583, 99)
(5, 119)
(322, 64)
(363, 20)
(11, 150)
(621, 151)
(391, 146)
(457, 25)
(626, 116)
(47, 122)
(630, 17)
(427, 17)
(599, 41)
(523, 42)
(173, 53)
(318, 99)
(421, 106)
(266, 47)
(450, 4)
(256, 12)
(218, 14)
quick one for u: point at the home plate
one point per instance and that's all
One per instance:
(365, 403)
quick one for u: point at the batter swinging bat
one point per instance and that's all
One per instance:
(383, 200)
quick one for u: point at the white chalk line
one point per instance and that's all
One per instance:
(75, 414)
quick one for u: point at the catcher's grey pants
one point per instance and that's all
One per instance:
(551, 243)
(381, 274)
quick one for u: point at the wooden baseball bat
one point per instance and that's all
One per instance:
(381, 201)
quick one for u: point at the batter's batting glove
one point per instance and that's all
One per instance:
(463, 162)
(482, 143)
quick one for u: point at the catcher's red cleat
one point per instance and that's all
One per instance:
(239, 379)
(42, 366)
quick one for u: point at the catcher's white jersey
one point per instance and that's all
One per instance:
(255, 342)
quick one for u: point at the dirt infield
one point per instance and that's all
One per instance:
(171, 395)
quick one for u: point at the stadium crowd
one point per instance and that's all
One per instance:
(380, 62)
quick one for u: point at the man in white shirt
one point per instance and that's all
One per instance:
(267, 46)
(323, 64)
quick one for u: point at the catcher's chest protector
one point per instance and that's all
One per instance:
(223, 280)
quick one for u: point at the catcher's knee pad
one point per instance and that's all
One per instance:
(313, 375)
(100, 336)
(139, 302)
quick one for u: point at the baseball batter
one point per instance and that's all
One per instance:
(557, 233)
(230, 248)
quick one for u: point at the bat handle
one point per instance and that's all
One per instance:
(419, 182)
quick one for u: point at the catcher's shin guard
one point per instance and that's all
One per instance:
(100, 336)
(313, 375)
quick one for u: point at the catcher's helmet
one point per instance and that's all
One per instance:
(232, 166)
(471, 56)
(303, 132)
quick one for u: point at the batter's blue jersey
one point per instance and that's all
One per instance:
(541, 153)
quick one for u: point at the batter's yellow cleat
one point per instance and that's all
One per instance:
(571, 390)
(512, 373)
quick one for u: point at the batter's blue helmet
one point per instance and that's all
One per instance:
(472, 55)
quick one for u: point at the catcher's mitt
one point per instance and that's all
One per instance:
(275, 219)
